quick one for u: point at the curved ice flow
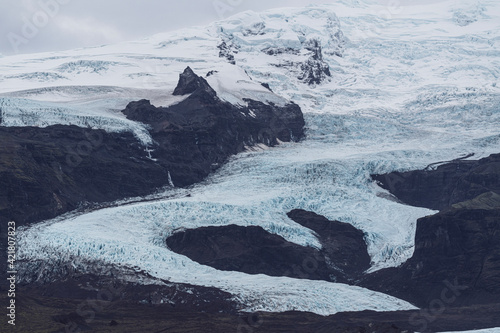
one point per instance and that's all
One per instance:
(254, 292)
(249, 191)
(410, 90)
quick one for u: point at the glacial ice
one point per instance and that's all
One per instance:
(22, 112)
(407, 89)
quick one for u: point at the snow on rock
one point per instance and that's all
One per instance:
(233, 85)
(406, 90)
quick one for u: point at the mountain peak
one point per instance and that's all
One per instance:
(189, 82)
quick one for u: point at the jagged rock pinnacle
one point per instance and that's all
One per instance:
(189, 82)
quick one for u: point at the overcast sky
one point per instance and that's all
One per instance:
(28, 26)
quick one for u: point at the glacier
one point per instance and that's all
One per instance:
(409, 86)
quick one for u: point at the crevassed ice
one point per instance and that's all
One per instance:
(23, 112)
(409, 90)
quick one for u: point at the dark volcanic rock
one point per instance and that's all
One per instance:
(227, 49)
(250, 250)
(457, 247)
(45, 172)
(312, 71)
(109, 288)
(39, 309)
(460, 246)
(253, 250)
(446, 185)
(71, 318)
(189, 82)
(266, 85)
(273, 50)
(315, 70)
(201, 132)
(344, 246)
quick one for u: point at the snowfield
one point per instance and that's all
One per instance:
(409, 88)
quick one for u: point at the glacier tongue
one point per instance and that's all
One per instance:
(125, 238)
(407, 89)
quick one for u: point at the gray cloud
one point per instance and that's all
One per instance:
(48, 25)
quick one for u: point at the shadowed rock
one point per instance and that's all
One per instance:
(343, 257)
(249, 250)
(457, 251)
(189, 82)
(343, 245)
(45, 172)
(457, 257)
(448, 184)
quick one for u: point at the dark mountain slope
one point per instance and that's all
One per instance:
(45, 172)
(457, 251)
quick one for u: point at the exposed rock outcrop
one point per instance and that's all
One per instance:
(136, 309)
(45, 172)
(227, 49)
(189, 82)
(249, 250)
(344, 247)
(457, 251)
(457, 257)
(448, 184)
(253, 250)
(201, 132)
(315, 70)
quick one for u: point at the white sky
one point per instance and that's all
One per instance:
(28, 26)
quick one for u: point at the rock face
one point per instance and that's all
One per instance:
(189, 82)
(192, 314)
(446, 185)
(183, 297)
(250, 250)
(312, 71)
(49, 171)
(457, 251)
(315, 70)
(197, 135)
(227, 50)
(344, 247)
(253, 250)
(457, 258)
(45, 172)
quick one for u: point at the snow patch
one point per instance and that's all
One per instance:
(233, 85)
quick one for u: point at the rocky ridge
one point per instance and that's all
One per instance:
(48, 171)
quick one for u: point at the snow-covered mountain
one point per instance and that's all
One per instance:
(382, 89)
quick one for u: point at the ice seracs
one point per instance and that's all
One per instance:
(405, 91)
